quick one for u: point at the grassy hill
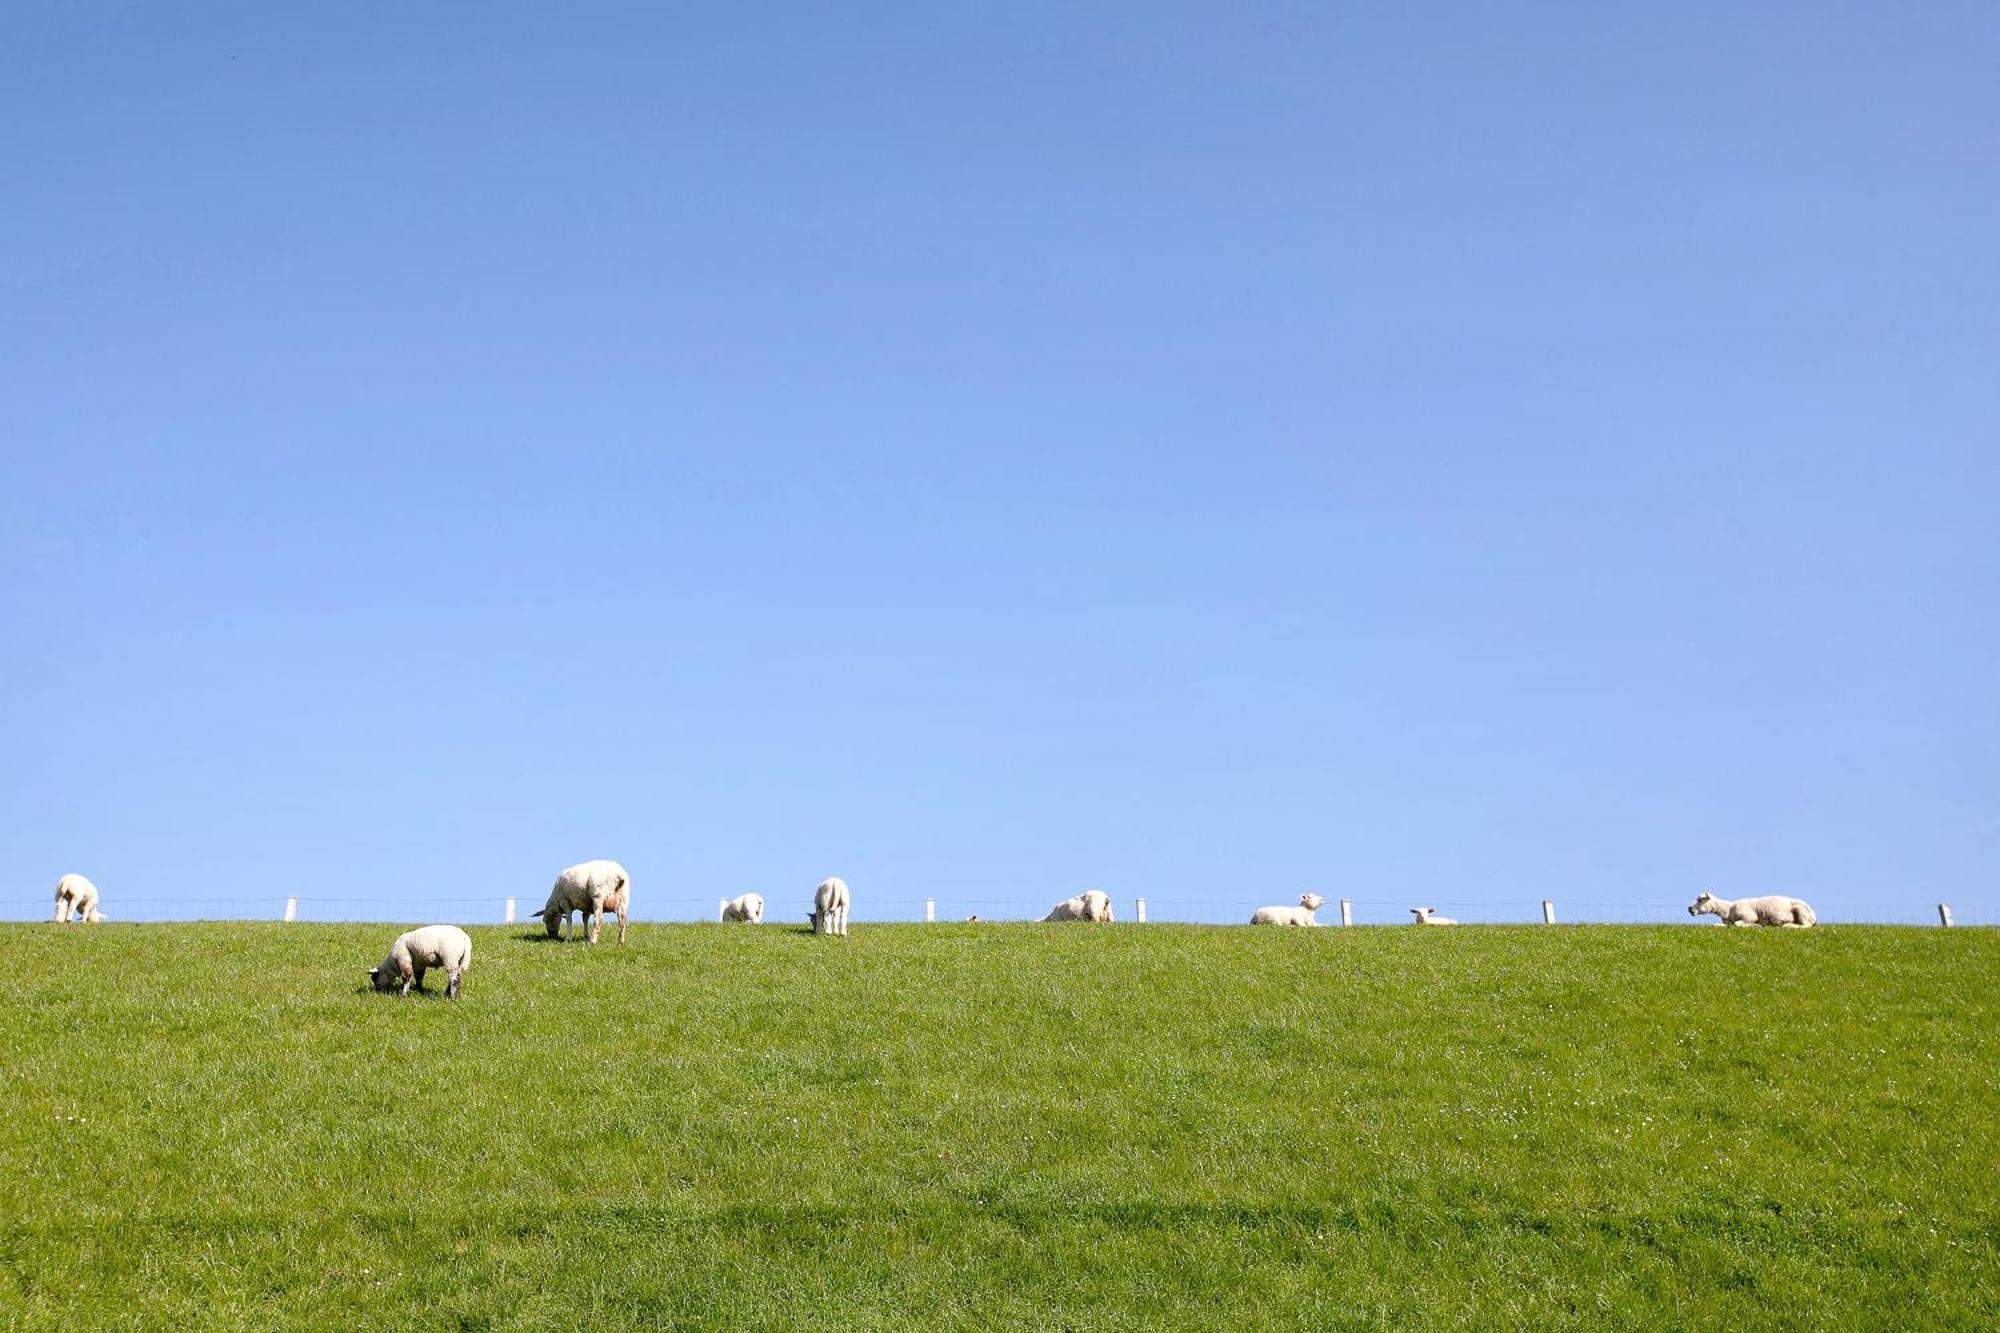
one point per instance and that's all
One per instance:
(1005, 1126)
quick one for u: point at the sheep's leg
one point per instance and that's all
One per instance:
(451, 985)
(420, 980)
(621, 923)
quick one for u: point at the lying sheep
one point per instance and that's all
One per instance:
(1428, 916)
(447, 947)
(829, 915)
(1774, 910)
(1302, 915)
(589, 888)
(749, 907)
(1090, 905)
(76, 899)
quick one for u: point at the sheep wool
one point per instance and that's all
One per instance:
(417, 950)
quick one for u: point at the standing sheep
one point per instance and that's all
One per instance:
(76, 899)
(447, 947)
(1302, 915)
(1774, 910)
(829, 916)
(1090, 905)
(1428, 916)
(589, 888)
(749, 907)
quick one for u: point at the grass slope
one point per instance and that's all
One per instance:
(987, 1126)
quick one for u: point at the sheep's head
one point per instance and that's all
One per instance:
(381, 978)
(549, 920)
(1422, 913)
(1704, 902)
(1311, 901)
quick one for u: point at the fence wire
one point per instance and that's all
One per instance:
(488, 909)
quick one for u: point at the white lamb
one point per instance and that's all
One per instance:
(829, 915)
(749, 907)
(1090, 905)
(589, 888)
(1302, 915)
(1428, 916)
(1774, 910)
(447, 947)
(76, 899)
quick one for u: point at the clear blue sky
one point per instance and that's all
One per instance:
(1450, 455)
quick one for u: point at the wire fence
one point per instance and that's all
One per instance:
(487, 909)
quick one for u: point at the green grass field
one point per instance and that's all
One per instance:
(1005, 1126)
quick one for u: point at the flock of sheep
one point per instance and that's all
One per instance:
(595, 887)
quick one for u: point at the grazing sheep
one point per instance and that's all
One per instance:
(1090, 905)
(1428, 916)
(972, 919)
(589, 888)
(1302, 915)
(447, 947)
(1774, 910)
(76, 899)
(829, 915)
(749, 907)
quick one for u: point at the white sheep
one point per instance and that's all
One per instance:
(1302, 915)
(76, 899)
(1774, 910)
(1428, 916)
(829, 915)
(447, 947)
(1090, 905)
(749, 907)
(589, 888)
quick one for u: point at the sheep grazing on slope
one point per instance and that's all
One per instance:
(749, 907)
(447, 947)
(1090, 905)
(1428, 916)
(1774, 910)
(76, 900)
(1302, 915)
(589, 888)
(829, 915)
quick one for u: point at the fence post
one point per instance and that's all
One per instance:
(292, 908)
(722, 909)
(509, 918)
(1346, 912)
(1548, 912)
(1944, 914)
(930, 909)
(1139, 910)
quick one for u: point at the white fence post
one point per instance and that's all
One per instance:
(1944, 914)
(721, 909)
(930, 909)
(509, 918)
(1139, 910)
(1548, 912)
(292, 908)
(1346, 912)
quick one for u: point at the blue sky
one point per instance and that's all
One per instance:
(1455, 455)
